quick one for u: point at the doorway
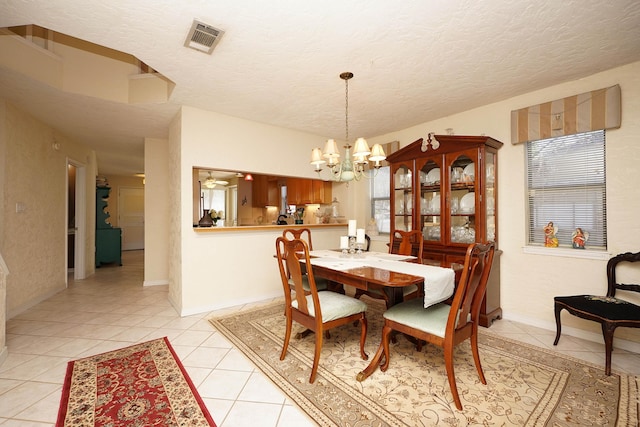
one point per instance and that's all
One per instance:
(76, 219)
(131, 217)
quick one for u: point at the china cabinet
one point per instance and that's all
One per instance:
(108, 238)
(450, 193)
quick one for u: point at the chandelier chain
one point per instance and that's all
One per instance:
(346, 110)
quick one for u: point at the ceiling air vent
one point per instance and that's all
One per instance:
(203, 37)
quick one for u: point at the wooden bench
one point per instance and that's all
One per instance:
(611, 312)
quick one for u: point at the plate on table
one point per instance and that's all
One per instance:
(433, 177)
(470, 172)
(468, 203)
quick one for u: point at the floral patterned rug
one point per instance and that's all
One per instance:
(526, 385)
(137, 386)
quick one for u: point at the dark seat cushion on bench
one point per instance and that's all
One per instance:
(610, 308)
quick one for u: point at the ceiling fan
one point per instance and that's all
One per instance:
(211, 182)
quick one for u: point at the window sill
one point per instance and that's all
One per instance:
(566, 252)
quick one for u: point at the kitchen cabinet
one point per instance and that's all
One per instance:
(322, 192)
(302, 191)
(450, 194)
(108, 238)
(265, 191)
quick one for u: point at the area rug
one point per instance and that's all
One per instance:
(526, 385)
(137, 386)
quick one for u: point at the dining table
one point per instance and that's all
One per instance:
(389, 272)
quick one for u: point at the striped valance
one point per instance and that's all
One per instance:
(595, 110)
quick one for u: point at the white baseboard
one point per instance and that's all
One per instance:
(155, 282)
(623, 344)
(232, 303)
(29, 304)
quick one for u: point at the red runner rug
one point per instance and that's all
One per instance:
(141, 385)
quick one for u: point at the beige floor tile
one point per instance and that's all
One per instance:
(191, 337)
(260, 389)
(252, 414)
(291, 416)
(218, 408)
(223, 384)
(23, 396)
(206, 357)
(44, 410)
(234, 360)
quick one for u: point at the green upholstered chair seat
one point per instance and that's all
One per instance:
(321, 284)
(334, 305)
(412, 313)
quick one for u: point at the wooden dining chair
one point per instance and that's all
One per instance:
(316, 311)
(299, 233)
(367, 243)
(609, 310)
(445, 325)
(305, 234)
(403, 243)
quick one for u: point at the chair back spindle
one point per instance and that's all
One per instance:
(468, 297)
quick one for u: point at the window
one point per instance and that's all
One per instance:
(381, 199)
(566, 185)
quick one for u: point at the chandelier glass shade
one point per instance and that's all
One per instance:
(352, 166)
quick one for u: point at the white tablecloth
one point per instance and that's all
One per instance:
(439, 282)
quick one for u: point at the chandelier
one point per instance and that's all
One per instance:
(349, 168)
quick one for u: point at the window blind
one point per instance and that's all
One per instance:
(567, 186)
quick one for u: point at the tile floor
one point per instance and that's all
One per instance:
(111, 310)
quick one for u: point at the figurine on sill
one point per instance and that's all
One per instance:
(579, 238)
(550, 239)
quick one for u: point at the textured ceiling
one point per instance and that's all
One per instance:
(278, 62)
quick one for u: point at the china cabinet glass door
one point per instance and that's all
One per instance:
(403, 197)
(463, 203)
(429, 200)
(490, 168)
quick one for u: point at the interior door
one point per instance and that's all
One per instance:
(131, 217)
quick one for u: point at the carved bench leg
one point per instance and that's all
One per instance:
(558, 309)
(607, 331)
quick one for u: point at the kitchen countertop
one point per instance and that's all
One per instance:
(265, 227)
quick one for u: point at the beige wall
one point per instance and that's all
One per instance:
(225, 269)
(156, 236)
(530, 281)
(33, 241)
